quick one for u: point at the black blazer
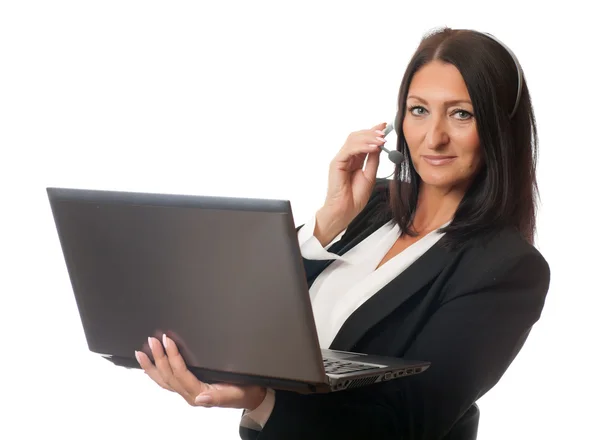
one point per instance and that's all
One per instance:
(468, 311)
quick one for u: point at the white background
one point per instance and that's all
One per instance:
(254, 99)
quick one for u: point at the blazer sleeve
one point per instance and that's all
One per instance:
(471, 339)
(313, 267)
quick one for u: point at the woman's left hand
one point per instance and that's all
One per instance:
(170, 372)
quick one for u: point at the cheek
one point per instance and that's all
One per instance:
(412, 135)
(471, 149)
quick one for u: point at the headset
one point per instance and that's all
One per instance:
(396, 157)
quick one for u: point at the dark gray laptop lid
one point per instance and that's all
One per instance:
(222, 276)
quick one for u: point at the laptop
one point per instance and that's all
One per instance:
(221, 276)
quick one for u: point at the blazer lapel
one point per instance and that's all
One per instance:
(347, 242)
(391, 296)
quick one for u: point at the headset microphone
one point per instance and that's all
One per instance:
(395, 156)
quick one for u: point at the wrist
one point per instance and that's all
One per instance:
(327, 226)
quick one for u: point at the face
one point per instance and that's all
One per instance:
(440, 129)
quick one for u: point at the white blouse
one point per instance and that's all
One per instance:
(345, 285)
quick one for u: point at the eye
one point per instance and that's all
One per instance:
(463, 115)
(417, 110)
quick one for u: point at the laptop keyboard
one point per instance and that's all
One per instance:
(336, 366)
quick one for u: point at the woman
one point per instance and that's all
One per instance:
(439, 263)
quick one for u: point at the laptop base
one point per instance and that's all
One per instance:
(212, 376)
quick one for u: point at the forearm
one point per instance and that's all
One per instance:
(327, 226)
(345, 415)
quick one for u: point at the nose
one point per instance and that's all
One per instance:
(437, 135)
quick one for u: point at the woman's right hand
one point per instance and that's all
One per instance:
(349, 186)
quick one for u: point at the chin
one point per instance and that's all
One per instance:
(441, 181)
(436, 177)
(443, 176)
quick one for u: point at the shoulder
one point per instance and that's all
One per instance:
(497, 255)
(504, 247)
(503, 260)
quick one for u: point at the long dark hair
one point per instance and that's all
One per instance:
(504, 192)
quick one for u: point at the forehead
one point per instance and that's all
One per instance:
(438, 81)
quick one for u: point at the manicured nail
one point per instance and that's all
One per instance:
(379, 132)
(380, 139)
(150, 342)
(164, 338)
(203, 399)
(137, 356)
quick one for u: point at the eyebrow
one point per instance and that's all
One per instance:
(451, 102)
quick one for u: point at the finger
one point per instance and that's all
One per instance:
(223, 396)
(151, 370)
(369, 139)
(355, 161)
(380, 126)
(368, 136)
(352, 155)
(360, 148)
(372, 165)
(180, 371)
(164, 368)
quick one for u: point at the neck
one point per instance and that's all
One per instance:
(435, 207)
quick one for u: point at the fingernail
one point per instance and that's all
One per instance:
(380, 139)
(203, 399)
(373, 146)
(150, 342)
(137, 356)
(380, 132)
(164, 338)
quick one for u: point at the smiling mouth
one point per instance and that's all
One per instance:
(438, 160)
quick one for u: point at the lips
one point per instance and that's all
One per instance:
(438, 160)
